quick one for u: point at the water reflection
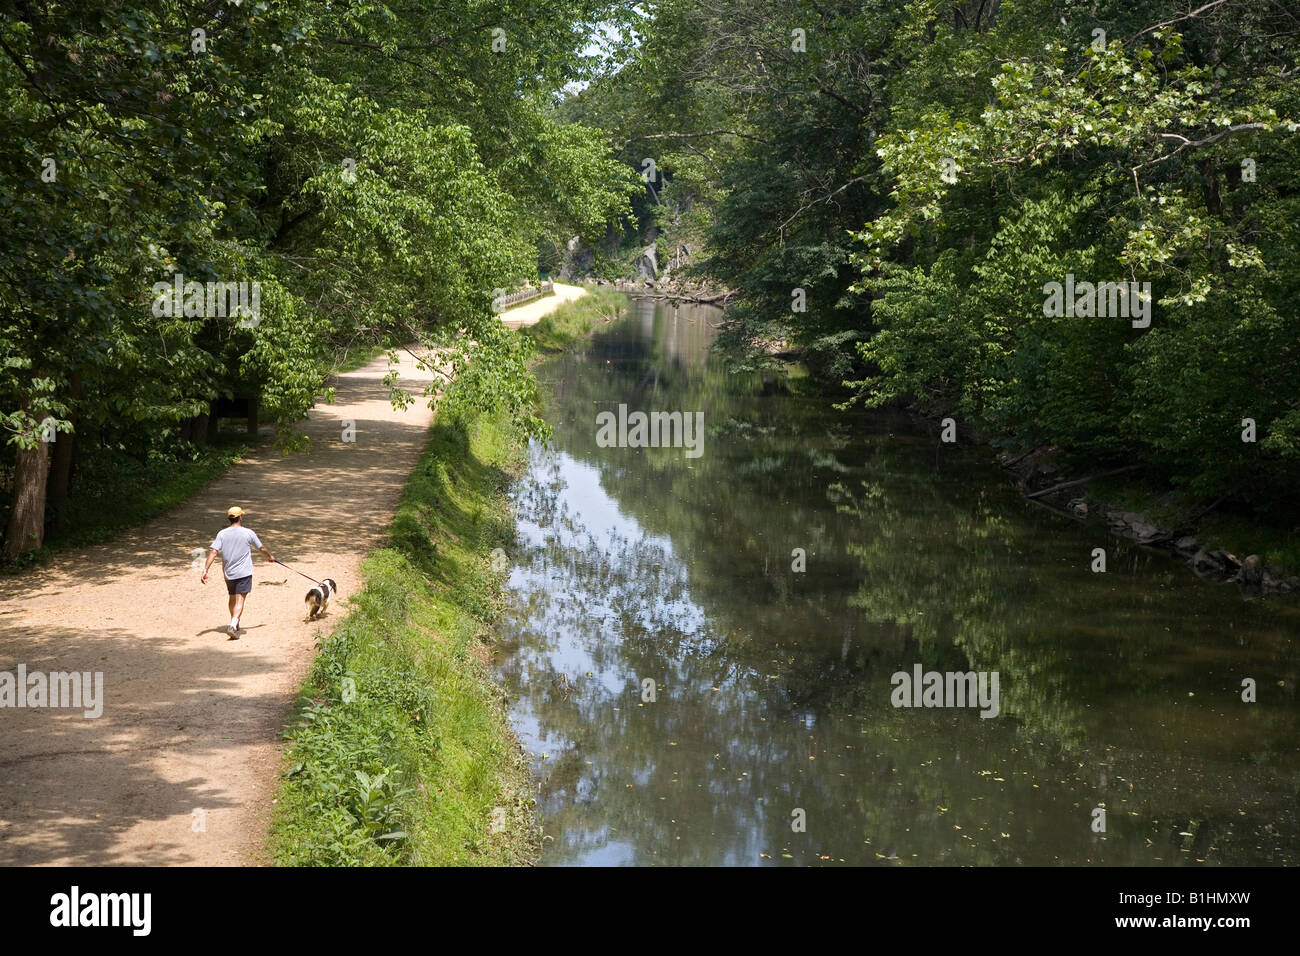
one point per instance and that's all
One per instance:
(771, 688)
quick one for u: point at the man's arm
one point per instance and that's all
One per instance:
(269, 556)
(212, 556)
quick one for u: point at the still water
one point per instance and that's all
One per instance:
(768, 735)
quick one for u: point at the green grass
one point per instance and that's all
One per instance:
(573, 320)
(420, 767)
(349, 360)
(112, 491)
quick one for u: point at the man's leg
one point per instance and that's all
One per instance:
(239, 606)
(236, 605)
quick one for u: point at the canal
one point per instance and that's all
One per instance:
(700, 644)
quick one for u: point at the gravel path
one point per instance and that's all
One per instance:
(530, 313)
(182, 766)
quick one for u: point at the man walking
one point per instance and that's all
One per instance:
(235, 545)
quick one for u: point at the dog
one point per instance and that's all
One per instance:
(318, 598)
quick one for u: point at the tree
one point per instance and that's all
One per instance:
(375, 172)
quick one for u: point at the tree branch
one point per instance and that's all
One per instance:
(1185, 16)
(711, 132)
(827, 198)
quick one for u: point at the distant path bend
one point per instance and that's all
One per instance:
(530, 313)
(183, 765)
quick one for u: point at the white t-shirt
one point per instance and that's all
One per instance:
(236, 545)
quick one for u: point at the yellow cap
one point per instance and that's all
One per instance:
(235, 512)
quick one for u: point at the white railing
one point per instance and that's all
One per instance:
(503, 302)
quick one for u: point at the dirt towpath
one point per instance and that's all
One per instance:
(182, 766)
(530, 313)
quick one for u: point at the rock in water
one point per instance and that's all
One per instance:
(1252, 571)
(1136, 525)
(1205, 561)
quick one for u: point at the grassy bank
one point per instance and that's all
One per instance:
(574, 320)
(350, 359)
(418, 766)
(401, 751)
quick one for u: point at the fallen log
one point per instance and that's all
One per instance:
(1060, 511)
(702, 299)
(1081, 481)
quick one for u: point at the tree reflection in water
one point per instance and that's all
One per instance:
(772, 688)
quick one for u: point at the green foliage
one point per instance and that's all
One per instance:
(766, 153)
(921, 170)
(377, 170)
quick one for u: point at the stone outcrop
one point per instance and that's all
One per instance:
(1040, 469)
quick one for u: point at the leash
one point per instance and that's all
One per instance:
(295, 571)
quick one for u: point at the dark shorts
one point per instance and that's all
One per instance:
(239, 585)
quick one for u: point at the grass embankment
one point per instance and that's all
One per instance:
(419, 765)
(402, 754)
(572, 321)
(349, 360)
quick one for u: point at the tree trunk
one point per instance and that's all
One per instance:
(65, 445)
(200, 430)
(26, 529)
(61, 469)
